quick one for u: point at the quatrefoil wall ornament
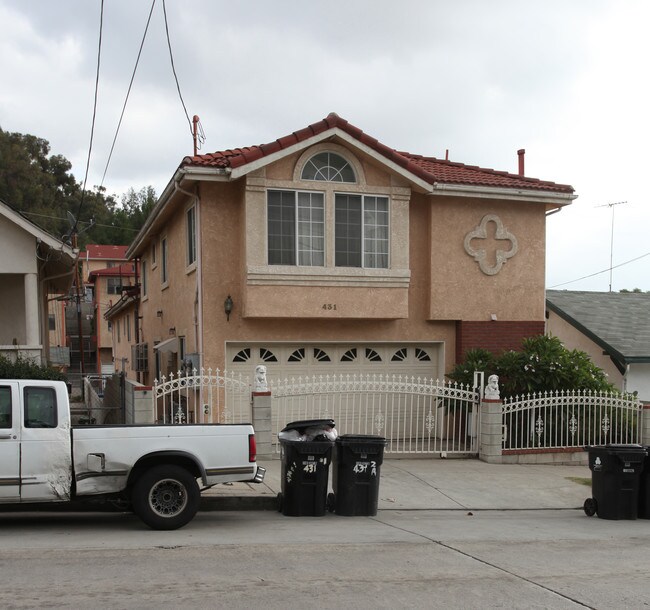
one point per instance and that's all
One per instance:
(480, 254)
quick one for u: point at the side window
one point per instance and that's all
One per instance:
(40, 408)
(5, 407)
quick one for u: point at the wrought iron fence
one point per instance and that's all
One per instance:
(565, 420)
(415, 415)
(205, 396)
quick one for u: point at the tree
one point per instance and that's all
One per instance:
(542, 365)
(43, 188)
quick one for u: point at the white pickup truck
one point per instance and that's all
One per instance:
(159, 470)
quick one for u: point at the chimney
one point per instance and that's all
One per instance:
(521, 153)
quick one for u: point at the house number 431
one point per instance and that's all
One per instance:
(329, 306)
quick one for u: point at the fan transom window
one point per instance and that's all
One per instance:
(328, 167)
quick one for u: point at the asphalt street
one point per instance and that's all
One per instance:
(545, 558)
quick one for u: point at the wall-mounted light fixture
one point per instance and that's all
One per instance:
(227, 307)
(159, 313)
(172, 330)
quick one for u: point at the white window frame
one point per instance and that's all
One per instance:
(297, 222)
(364, 225)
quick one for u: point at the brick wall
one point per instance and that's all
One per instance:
(494, 336)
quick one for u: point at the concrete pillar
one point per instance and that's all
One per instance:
(645, 424)
(262, 424)
(491, 434)
(32, 333)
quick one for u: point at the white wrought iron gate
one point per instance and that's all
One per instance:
(415, 415)
(205, 396)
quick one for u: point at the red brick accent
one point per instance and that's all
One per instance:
(495, 336)
(542, 450)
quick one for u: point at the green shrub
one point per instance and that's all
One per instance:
(542, 365)
(25, 368)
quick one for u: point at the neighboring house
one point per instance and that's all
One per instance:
(101, 257)
(93, 258)
(108, 285)
(122, 319)
(34, 267)
(612, 327)
(327, 252)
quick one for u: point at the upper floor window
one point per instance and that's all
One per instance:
(328, 167)
(296, 228)
(163, 261)
(191, 235)
(361, 231)
(143, 277)
(114, 285)
(154, 262)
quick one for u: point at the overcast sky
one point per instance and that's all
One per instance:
(566, 80)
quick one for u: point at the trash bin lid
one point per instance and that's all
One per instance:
(308, 423)
(369, 439)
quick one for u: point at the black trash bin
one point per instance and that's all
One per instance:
(305, 471)
(355, 474)
(615, 478)
(644, 487)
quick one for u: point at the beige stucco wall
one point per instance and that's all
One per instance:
(177, 299)
(459, 289)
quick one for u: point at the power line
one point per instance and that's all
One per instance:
(603, 271)
(171, 57)
(135, 68)
(95, 224)
(92, 128)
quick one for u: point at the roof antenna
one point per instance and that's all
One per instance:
(611, 245)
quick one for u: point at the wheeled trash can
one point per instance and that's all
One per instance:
(615, 477)
(305, 469)
(355, 474)
(644, 487)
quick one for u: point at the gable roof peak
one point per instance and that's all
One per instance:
(427, 169)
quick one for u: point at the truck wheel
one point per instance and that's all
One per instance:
(166, 497)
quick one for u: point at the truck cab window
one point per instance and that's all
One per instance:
(5, 407)
(40, 408)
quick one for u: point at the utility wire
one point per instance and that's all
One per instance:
(603, 271)
(135, 68)
(171, 57)
(92, 129)
(96, 224)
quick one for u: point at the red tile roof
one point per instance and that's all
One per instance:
(105, 252)
(127, 269)
(429, 169)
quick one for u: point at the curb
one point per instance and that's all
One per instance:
(214, 503)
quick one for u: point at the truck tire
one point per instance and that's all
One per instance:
(166, 497)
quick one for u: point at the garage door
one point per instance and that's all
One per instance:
(298, 360)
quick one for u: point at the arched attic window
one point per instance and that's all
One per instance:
(328, 167)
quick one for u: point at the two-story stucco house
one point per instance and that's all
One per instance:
(326, 251)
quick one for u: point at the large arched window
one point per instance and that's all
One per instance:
(328, 167)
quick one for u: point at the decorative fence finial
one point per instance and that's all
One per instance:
(492, 388)
(260, 383)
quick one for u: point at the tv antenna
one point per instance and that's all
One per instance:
(611, 244)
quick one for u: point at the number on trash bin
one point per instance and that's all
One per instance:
(310, 467)
(360, 467)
